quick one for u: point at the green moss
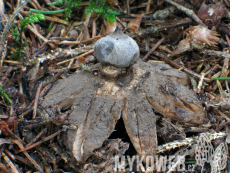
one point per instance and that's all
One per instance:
(98, 6)
(17, 33)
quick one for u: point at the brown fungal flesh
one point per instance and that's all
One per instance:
(99, 102)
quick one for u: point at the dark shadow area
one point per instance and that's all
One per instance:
(120, 132)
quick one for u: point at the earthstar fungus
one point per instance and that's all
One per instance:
(97, 102)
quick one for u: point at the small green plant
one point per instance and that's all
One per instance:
(98, 6)
(4, 94)
(17, 33)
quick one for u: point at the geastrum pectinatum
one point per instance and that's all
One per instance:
(124, 87)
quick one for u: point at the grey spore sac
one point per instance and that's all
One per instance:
(117, 49)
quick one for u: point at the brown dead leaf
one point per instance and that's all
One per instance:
(135, 23)
(102, 32)
(86, 35)
(79, 61)
(110, 27)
